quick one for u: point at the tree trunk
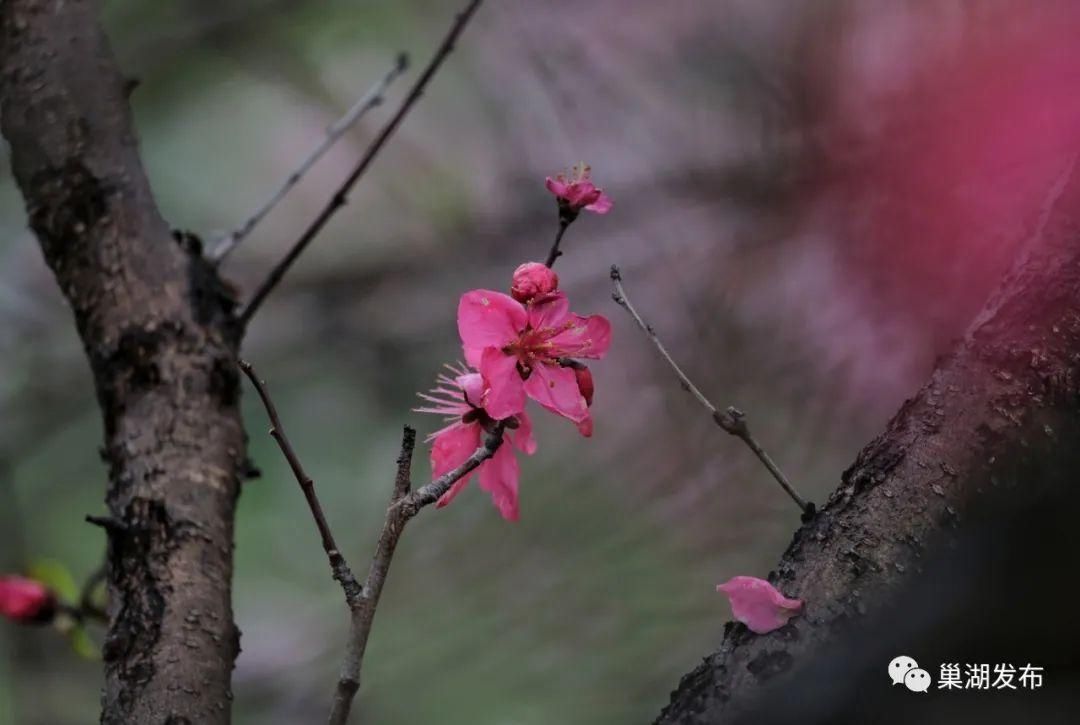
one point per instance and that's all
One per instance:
(162, 341)
(997, 420)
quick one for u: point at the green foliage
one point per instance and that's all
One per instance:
(56, 576)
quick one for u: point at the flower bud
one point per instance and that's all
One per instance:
(25, 600)
(532, 280)
(584, 383)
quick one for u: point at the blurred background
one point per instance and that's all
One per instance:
(812, 200)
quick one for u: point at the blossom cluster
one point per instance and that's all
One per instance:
(528, 345)
(518, 346)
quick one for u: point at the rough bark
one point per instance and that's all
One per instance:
(994, 421)
(161, 339)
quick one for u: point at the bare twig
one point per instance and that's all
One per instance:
(362, 613)
(404, 504)
(555, 252)
(340, 196)
(373, 98)
(731, 420)
(87, 608)
(338, 565)
(110, 524)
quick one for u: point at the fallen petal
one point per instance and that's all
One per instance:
(758, 604)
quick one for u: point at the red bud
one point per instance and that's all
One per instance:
(532, 280)
(25, 600)
(584, 383)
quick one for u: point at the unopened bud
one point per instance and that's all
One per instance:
(25, 600)
(584, 383)
(532, 280)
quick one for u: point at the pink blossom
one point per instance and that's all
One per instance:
(25, 600)
(519, 350)
(533, 281)
(458, 399)
(578, 192)
(757, 603)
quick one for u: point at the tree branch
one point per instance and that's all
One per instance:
(404, 505)
(372, 99)
(992, 424)
(340, 197)
(554, 253)
(157, 325)
(338, 566)
(731, 420)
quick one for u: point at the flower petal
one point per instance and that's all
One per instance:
(758, 604)
(550, 312)
(585, 337)
(581, 194)
(505, 394)
(556, 187)
(472, 385)
(556, 388)
(522, 438)
(452, 446)
(488, 319)
(499, 476)
(602, 205)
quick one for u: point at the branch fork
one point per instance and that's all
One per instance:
(405, 503)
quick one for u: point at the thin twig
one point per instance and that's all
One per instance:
(404, 504)
(403, 479)
(110, 524)
(555, 252)
(338, 566)
(731, 420)
(339, 198)
(87, 608)
(372, 99)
